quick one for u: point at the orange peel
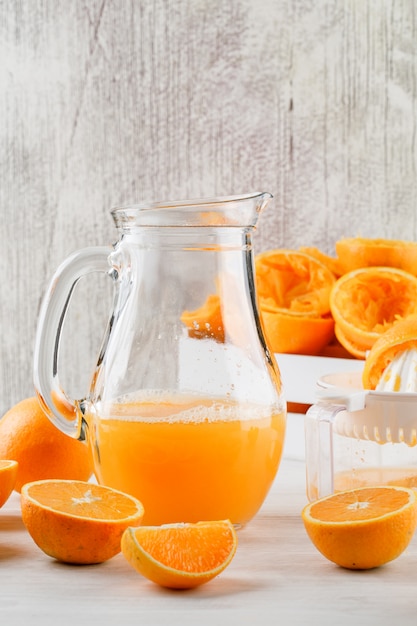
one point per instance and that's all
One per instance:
(364, 527)
(8, 476)
(42, 451)
(400, 337)
(180, 556)
(367, 302)
(293, 291)
(77, 521)
(357, 252)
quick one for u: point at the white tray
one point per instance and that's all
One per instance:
(300, 374)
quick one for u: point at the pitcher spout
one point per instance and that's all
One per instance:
(239, 211)
(262, 201)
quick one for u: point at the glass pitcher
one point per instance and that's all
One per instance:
(185, 408)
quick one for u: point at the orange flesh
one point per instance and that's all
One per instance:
(80, 500)
(365, 504)
(188, 552)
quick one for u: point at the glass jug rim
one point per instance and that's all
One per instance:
(232, 210)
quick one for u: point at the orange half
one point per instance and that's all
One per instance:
(293, 291)
(293, 281)
(367, 302)
(8, 476)
(400, 337)
(354, 253)
(362, 528)
(76, 521)
(297, 334)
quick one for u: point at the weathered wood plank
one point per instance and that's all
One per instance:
(109, 102)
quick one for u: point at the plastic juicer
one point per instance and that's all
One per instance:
(357, 438)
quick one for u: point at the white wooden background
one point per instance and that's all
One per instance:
(111, 101)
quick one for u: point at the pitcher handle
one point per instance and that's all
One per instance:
(62, 411)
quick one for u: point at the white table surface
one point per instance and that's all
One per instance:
(276, 577)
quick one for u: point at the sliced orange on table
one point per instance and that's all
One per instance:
(362, 528)
(294, 290)
(400, 337)
(77, 521)
(8, 475)
(180, 556)
(366, 302)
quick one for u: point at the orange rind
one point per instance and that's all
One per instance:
(400, 337)
(76, 521)
(358, 252)
(293, 291)
(180, 556)
(8, 475)
(362, 528)
(297, 334)
(367, 302)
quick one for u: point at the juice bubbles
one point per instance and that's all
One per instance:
(189, 459)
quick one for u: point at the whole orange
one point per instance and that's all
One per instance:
(42, 451)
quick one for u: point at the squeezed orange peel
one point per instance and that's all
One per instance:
(367, 302)
(400, 337)
(293, 290)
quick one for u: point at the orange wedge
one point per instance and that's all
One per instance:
(77, 521)
(400, 337)
(294, 290)
(362, 528)
(180, 556)
(8, 475)
(354, 253)
(366, 302)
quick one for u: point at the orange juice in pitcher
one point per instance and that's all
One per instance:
(185, 408)
(190, 459)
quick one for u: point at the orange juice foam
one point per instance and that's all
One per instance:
(189, 460)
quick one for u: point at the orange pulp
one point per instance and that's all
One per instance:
(189, 460)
